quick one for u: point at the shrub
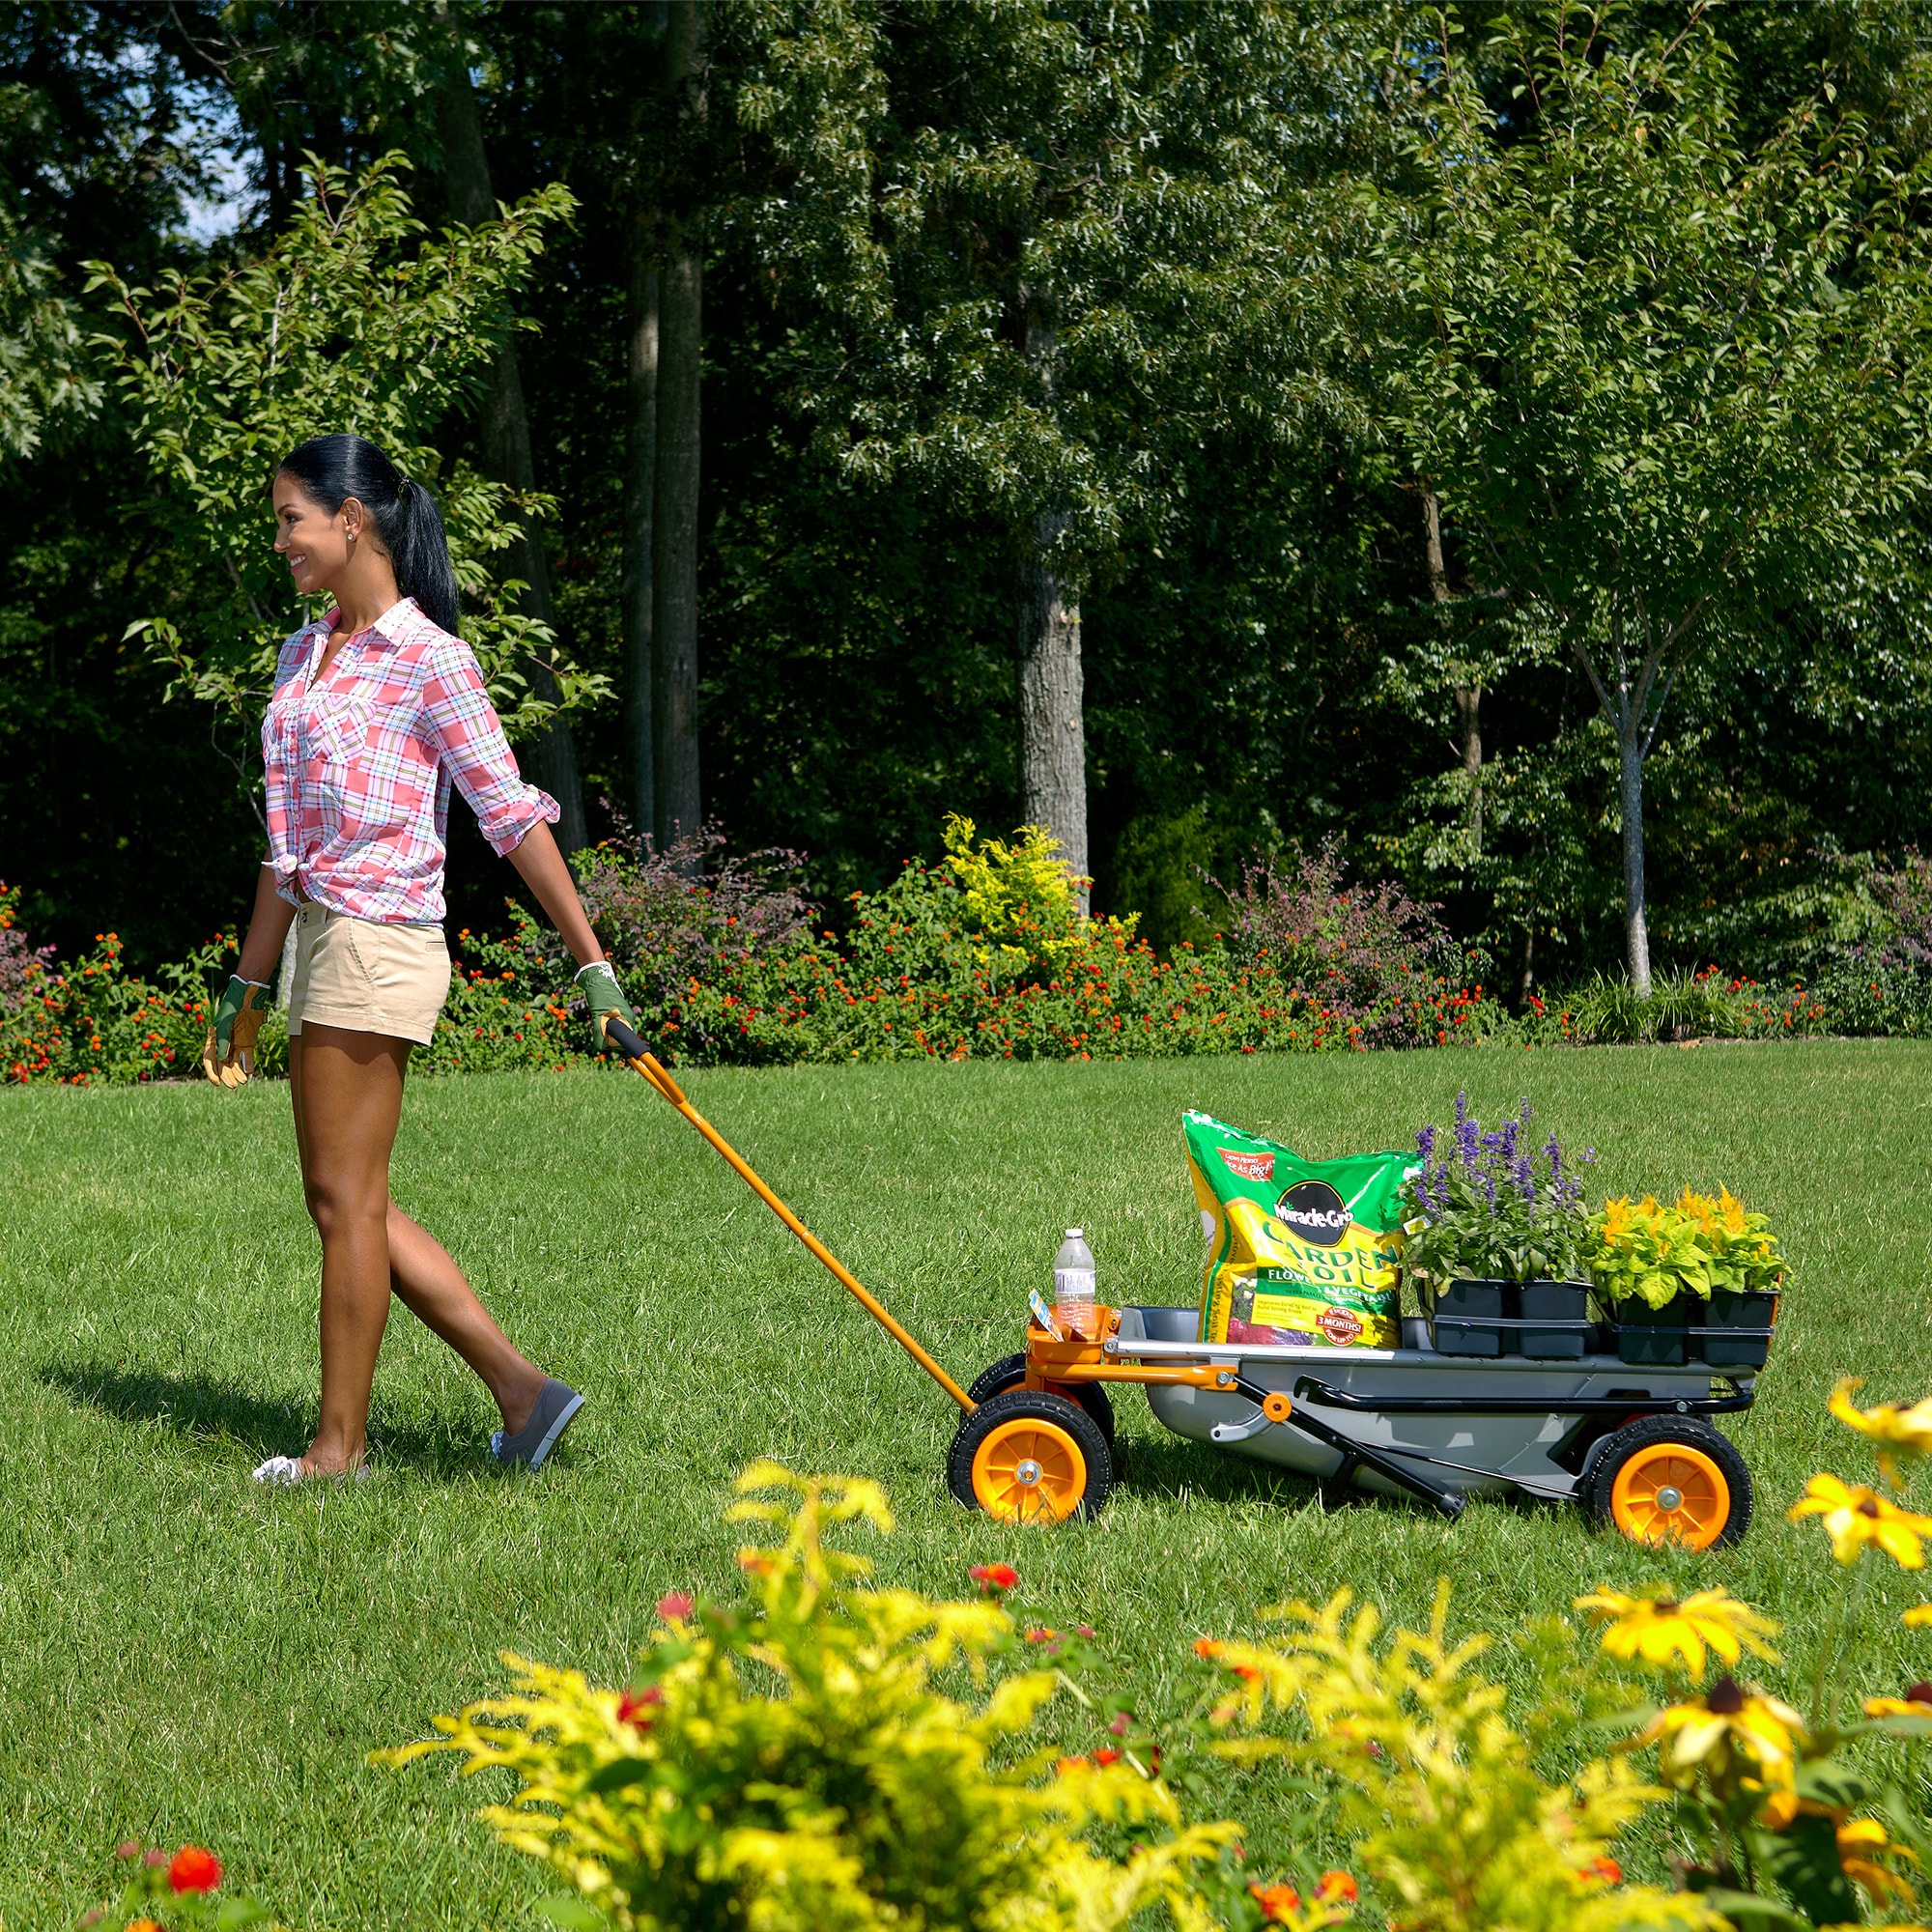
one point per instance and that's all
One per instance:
(790, 1763)
(1371, 954)
(91, 1020)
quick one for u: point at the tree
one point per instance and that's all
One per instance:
(350, 320)
(1028, 225)
(1660, 381)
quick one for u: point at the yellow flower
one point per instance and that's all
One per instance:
(1658, 1626)
(1862, 1843)
(1916, 1703)
(1855, 1516)
(1917, 1617)
(1732, 1733)
(1897, 1432)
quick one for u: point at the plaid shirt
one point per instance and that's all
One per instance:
(358, 771)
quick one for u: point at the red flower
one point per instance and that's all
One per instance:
(194, 1870)
(1119, 1726)
(1606, 1871)
(1040, 1633)
(1276, 1901)
(634, 1704)
(994, 1578)
(1334, 1884)
(674, 1605)
(1108, 1756)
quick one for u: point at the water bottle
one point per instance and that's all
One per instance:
(1073, 1285)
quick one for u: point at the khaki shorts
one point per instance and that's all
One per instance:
(367, 977)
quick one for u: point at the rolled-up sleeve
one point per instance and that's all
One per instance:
(462, 725)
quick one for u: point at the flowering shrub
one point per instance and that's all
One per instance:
(1794, 1818)
(1644, 1251)
(91, 1020)
(1494, 1207)
(1371, 952)
(789, 1763)
(174, 1893)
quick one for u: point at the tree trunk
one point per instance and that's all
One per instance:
(1469, 697)
(1053, 738)
(640, 486)
(551, 753)
(1053, 725)
(678, 800)
(1629, 799)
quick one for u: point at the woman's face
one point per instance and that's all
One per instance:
(317, 542)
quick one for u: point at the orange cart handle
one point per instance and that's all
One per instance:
(641, 1059)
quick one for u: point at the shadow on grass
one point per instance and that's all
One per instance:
(209, 1408)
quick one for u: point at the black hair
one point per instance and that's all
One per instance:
(333, 467)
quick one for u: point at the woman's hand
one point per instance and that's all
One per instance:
(228, 1054)
(606, 1000)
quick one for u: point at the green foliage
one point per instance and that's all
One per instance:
(1642, 1250)
(792, 1763)
(1437, 1782)
(1661, 381)
(353, 319)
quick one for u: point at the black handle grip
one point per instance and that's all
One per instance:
(616, 1034)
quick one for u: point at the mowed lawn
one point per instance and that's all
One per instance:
(182, 1656)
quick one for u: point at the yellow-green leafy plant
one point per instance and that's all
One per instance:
(1438, 1790)
(1021, 898)
(791, 1764)
(1644, 1251)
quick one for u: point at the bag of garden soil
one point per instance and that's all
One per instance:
(1303, 1250)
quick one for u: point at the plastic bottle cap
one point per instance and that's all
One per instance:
(1074, 1235)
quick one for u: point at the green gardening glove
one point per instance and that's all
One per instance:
(606, 1000)
(228, 1054)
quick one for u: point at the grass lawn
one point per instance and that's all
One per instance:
(184, 1656)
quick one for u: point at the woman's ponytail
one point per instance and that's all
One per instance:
(413, 537)
(331, 469)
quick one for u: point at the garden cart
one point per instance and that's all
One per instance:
(1633, 1444)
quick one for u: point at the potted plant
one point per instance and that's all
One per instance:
(1661, 1269)
(1747, 1272)
(1494, 1240)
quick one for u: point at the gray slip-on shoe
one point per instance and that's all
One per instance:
(531, 1444)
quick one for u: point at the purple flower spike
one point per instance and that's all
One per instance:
(1467, 1139)
(1462, 1108)
(1425, 1143)
(1555, 1154)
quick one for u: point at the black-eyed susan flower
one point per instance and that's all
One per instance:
(1916, 1703)
(1659, 1627)
(1855, 1517)
(1862, 1843)
(1731, 1733)
(1897, 1432)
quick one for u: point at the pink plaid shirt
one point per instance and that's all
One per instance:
(359, 769)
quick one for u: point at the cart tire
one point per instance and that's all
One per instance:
(1009, 1372)
(1672, 1479)
(1028, 1457)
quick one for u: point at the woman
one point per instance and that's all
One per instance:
(378, 708)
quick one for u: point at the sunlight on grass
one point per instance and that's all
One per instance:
(186, 1657)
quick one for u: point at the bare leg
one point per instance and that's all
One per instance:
(419, 1270)
(432, 1287)
(348, 1099)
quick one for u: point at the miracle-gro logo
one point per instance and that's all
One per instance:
(1314, 1212)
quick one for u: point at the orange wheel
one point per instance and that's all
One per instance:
(1662, 1479)
(1027, 1457)
(1027, 1469)
(1670, 1493)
